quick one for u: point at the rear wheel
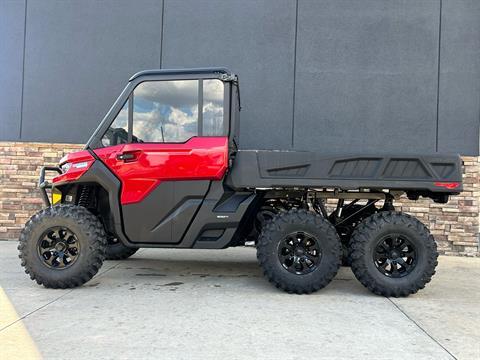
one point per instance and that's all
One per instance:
(62, 246)
(117, 251)
(299, 251)
(393, 254)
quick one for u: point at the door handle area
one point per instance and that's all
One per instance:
(128, 156)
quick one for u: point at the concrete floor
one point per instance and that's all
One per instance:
(210, 304)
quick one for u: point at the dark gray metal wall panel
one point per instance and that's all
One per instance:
(366, 76)
(253, 38)
(12, 21)
(459, 106)
(79, 56)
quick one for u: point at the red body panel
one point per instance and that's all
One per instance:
(145, 165)
(80, 162)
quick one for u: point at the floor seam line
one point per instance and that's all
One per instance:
(50, 302)
(421, 328)
(110, 268)
(34, 311)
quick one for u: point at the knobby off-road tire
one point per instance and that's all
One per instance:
(411, 234)
(117, 251)
(318, 230)
(88, 238)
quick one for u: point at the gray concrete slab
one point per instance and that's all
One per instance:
(450, 308)
(186, 304)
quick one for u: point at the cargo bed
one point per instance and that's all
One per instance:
(304, 169)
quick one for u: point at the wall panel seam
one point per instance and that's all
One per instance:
(438, 74)
(23, 70)
(162, 29)
(294, 72)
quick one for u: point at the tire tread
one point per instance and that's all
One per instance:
(93, 230)
(296, 216)
(361, 239)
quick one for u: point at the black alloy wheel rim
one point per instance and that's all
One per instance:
(299, 253)
(58, 247)
(395, 256)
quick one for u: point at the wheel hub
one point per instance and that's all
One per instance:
(395, 256)
(299, 253)
(58, 247)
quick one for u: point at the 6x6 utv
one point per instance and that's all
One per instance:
(164, 169)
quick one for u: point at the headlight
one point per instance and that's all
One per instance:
(80, 165)
(65, 167)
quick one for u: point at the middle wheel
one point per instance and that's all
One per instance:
(299, 251)
(117, 251)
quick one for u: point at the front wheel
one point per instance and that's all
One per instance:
(299, 251)
(393, 254)
(62, 246)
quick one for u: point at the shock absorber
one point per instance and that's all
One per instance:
(388, 205)
(84, 197)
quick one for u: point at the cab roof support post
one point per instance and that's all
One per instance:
(200, 107)
(130, 117)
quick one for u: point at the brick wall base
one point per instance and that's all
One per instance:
(20, 165)
(455, 225)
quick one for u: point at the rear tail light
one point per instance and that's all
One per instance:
(447, 185)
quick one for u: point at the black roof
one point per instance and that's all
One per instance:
(193, 71)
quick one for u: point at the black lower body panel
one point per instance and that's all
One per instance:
(185, 214)
(165, 214)
(219, 218)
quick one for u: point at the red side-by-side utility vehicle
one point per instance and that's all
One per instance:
(165, 169)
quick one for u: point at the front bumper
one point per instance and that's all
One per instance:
(43, 185)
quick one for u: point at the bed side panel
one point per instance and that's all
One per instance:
(269, 168)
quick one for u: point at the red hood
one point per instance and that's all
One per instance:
(77, 156)
(80, 162)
